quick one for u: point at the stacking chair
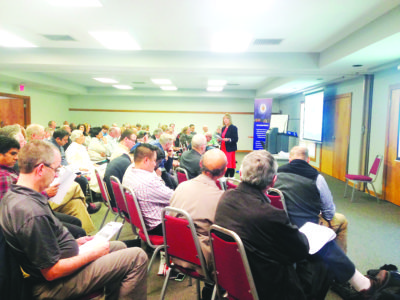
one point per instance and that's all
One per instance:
(365, 179)
(136, 220)
(106, 199)
(232, 270)
(181, 174)
(221, 183)
(181, 241)
(277, 198)
(232, 183)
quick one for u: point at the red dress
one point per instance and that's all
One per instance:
(231, 157)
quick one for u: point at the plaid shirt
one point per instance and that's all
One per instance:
(151, 193)
(8, 176)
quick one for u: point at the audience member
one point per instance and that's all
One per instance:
(273, 245)
(126, 142)
(112, 139)
(190, 160)
(97, 149)
(49, 254)
(149, 189)
(52, 124)
(307, 195)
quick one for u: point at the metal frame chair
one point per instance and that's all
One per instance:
(136, 220)
(106, 199)
(277, 200)
(179, 174)
(181, 241)
(365, 179)
(232, 270)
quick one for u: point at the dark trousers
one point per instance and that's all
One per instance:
(83, 182)
(74, 225)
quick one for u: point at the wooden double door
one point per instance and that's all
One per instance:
(336, 135)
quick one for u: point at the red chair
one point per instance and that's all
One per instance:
(232, 270)
(181, 241)
(181, 174)
(136, 220)
(365, 179)
(276, 197)
(232, 183)
(106, 199)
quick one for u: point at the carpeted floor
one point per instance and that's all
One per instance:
(373, 237)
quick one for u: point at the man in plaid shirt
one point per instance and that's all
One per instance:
(150, 190)
(9, 148)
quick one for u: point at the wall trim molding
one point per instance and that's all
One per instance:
(160, 111)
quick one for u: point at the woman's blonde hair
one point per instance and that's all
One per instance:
(228, 116)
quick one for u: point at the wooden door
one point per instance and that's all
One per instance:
(14, 110)
(391, 171)
(336, 134)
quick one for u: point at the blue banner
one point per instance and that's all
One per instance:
(262, 120)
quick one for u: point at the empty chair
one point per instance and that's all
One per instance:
(181, 241)
(232, 270)
(365, 179)
(136, 219)
(106, 199)
(181, 174)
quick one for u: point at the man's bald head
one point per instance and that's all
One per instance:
(299, 152)
(213, 163)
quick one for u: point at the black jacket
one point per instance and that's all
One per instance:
(232, 134)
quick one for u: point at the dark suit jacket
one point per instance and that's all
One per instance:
(232, 134)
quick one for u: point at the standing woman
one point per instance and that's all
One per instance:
(229, 139)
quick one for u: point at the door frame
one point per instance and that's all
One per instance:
(27, 106)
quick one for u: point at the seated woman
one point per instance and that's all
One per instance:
(185, 139)
(97, 148)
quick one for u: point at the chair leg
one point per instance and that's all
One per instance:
(119, 231)
(352, 194)
(376, 195)
(190, 281)
(153, 257)
(345, 188)
(164, 288)
(214, 292)
(105, 217)
(198, 289)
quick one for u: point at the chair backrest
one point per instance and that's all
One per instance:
(277, 198)
(135, 213)
(232, 270)
(181, 174)
(103, 188)
(375, 166)
(221, 183)
(180, 238)
(117, 191)
(232, 183)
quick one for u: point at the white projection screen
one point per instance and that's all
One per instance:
(313, 116)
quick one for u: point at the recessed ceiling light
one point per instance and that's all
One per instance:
(161, 81)
(76, 3)
(215, 88)
(122, 86)
(11, 40)
(357, 66)
(231, 41)
(217, 82)
(169, 88)
(105, 80)
(398, 67)
(115, 40)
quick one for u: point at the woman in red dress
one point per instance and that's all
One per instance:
(229, 139)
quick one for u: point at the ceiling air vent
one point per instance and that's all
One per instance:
(267, 42)
(138, 82)
(58, 37)
(233, 84)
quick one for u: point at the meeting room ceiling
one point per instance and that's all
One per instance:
(289, 46)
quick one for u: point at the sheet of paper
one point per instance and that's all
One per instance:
(65, 179)
(105, 234)
(317, 236)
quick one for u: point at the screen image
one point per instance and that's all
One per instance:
(313, 116)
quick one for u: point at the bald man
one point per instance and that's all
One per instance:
(200, 196)
(307, 195)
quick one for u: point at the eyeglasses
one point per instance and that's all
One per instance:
(56, 170)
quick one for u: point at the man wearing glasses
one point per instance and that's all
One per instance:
(47, 251)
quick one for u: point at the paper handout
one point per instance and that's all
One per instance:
(317, 236)
(105, 234)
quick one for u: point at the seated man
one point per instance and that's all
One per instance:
(126, 142)
(47, 251)
(112, 138)
(273, 245)
(190, 160)
(307, 195)
(149, 189)
(200, 196)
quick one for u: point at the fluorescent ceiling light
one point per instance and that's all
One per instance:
(217, 82)
(161, 81)
(169, 88)
(215, 88)
(115, 40)
(122, 86)
(105, 80)
(231, 41)
(10, 40)
(76, 3)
